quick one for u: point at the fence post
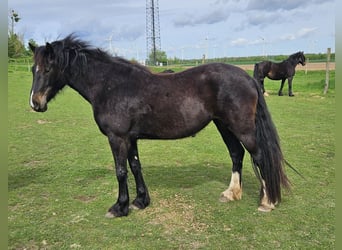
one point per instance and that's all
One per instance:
(326, 86)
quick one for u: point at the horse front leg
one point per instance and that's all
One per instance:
(119, 147)
(143, 199)
(289, 80)
(280, 92)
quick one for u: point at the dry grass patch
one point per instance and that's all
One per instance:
(176, 214)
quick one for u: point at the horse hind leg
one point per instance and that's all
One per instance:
(249, 141)
(236, 151)
(265, 205)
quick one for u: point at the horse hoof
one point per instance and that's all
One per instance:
(134, 207)
(265, 209)
(266, 94)
(231, 195)
(224, 199)
(109, 215)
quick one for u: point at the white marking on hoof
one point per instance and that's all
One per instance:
(226, 196)
(133, 207)
(234, 191)
(265, 204)
(266, 94)
(265, 209)
(109, 215)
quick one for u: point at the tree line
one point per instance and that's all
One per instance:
(16, 47)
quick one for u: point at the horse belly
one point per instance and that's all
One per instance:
(175, 121)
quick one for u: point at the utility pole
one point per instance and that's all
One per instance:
(326, 85)
(152, 30)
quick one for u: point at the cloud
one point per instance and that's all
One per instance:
(281, 4)
(302, 33)
(129, 32)
(262, 19)
(239, 42)
(273, 5)
(215, 16)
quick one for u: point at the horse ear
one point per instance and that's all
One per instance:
(49, 49)
(32, 47)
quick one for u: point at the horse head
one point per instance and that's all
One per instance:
(301, 58)
(46, 77)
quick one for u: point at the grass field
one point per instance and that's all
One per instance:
(61, 180)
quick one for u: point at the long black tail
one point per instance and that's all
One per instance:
(270, 161)
(256, 72)
(259, 78)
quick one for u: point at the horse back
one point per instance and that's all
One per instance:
(171, 106)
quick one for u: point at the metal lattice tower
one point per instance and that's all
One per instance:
(152, 30)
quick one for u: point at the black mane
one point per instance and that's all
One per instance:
(297, 55)
(75, 53)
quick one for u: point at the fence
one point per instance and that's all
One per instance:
(20, 64)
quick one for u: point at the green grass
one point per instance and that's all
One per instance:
(61, 180)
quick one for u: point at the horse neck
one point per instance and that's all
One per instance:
(90, 83)
(293, 61)
(84, 81)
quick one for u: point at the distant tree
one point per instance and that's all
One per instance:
(160, 58)
(16, 47)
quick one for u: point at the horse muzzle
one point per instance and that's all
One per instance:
(38, 102)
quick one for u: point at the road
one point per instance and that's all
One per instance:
(308, 66)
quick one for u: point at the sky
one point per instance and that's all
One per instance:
(188, 28)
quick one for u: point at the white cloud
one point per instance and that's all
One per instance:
(302, 33)
(239, 42)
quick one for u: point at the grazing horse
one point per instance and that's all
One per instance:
(279, 71)
(130, 103)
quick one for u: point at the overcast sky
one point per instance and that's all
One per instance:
(188, 28)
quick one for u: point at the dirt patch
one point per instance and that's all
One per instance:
(176, 214)
(85, 199)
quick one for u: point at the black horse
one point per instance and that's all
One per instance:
(279, 71)
(130, 103)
